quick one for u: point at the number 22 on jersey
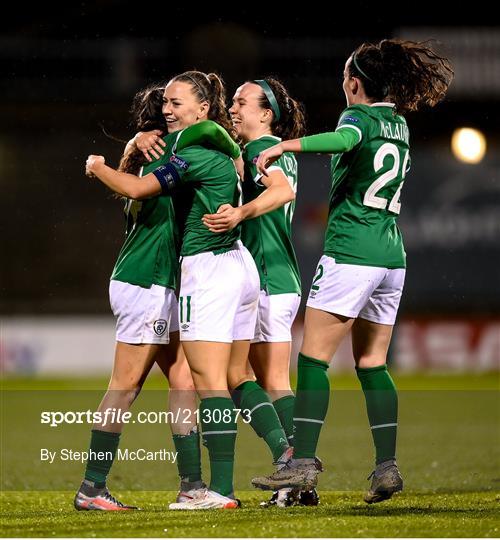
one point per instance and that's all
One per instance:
(371, 199)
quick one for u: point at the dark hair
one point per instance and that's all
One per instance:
(409, 73)
(209, 87)
(292, 122)
(147, 115)
(146, 109)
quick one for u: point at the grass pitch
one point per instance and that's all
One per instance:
(340, 514)
(448, 451)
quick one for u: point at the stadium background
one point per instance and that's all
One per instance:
(70, 75)
(69, 71)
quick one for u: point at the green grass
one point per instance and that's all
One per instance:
(448, 451)
(339, 381)
(340, 514)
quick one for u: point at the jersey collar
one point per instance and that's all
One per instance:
(261, 137)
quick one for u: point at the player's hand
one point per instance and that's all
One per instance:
(226, 219)
(267, 157)
(150, 143)
(91, 163)
(240, 167)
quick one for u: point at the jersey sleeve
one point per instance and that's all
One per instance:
(188, 165)
(208, 134)
(330, 143)
(354, 119)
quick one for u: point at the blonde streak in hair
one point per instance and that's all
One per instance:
(214, 77)
(218, 102)
(218, 90)
(299, 118)
(217, 86)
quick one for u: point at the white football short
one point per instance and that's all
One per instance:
(353, 290)
(143, 315)
(275, 317)
(219, 296)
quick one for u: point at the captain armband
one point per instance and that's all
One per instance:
(168, 177)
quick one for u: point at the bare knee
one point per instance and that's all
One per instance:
(277, 393)
(235, 377)
(370, 343)
(276, 382)
(275, 386)
(181, 379)
(125, 387)
(124, 396)
(131, 367)
(368, 361)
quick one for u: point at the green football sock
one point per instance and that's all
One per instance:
(188, 456)
(263, 417)
(382, 406)
(311, 405)
(218, 421)
(284, 408)
(106, 443)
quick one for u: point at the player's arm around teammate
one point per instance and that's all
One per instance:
(214, 311)
(143, 300)
(146, 266)
(262, 113)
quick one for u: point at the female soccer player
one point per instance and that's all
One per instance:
(263, 113)
(359, 279)
(143, 300)
(219, 280)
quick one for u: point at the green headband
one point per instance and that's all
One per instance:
(270, 97)
(354, 61)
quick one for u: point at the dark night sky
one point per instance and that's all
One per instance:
(62, 80)
(80, 20)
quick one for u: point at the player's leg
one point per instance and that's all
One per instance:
(271, 365)
(270, 352)
(249, 396)
(270, 359)
(211, 295)
(323, 332)
(131, 367)
(183, 404)
(371, 336)
(142, 329)
(338, 293)
(370, 344)
(209, 363)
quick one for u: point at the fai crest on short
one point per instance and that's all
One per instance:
(160, 326)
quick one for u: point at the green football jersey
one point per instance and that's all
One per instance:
(207, 180)
(366, 186)
(150, 253)
(268, 237)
